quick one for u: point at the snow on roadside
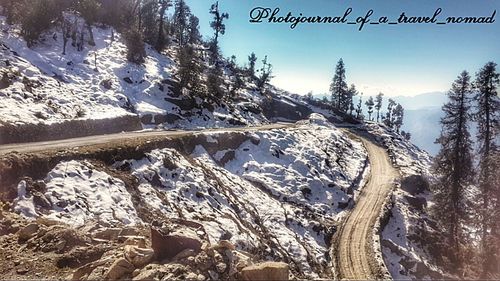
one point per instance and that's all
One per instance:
(279, 196)
(406, 156)
(402, 239)
(78, 193)
(60, 85)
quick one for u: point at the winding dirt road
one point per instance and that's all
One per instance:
(355, 255)
(354, 250)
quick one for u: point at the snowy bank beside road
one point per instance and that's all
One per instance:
(408, 227)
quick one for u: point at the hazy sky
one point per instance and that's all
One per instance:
(398, 59)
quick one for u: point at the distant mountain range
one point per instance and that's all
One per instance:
(422, 115)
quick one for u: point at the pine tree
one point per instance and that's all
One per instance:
(190, 70)
(113, 12)
(265, 74)
(215, 83)
(89, 10)
(454, 166)
(149, 18)
(370, 103)
(398, 117)
(194, 35)
(351, 93)
(238, 82)
(487, 117)
(218, 26)
(338, 87)
(406, 135)
(495, 229)
(181, 18)
(378, 105)
(134, 41)
(161, 42)
(389, 115)
(252, 59)
(36, 17)
(309, 96)
(359, 108)
(12, 10)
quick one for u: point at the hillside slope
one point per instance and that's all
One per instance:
(282, 202)
(40, 85)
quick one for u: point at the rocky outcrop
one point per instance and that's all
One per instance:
(137, 256)
(266, 271)
(119, 268)
(28, 231)
(167, 246)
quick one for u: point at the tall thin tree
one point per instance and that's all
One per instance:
(252, 59)
(487, 118)
(378, 104)
(218, 26)
(162, 41)
(338, 87)
(348, 101)
(369, 104)
(389, 115)
(454, 166)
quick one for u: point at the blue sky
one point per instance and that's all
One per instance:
(394, 59)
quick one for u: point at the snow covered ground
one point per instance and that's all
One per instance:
(276, 194)
(406, 156)
(78, 193)
(42, 85)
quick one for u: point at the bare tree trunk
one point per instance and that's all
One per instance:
(91, 35)
(65, 42)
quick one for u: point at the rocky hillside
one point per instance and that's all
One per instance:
(282, 202)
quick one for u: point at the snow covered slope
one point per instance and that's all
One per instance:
(275, 194)
(42, 85)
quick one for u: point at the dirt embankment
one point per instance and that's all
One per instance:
(16, 166)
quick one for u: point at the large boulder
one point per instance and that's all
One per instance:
(266, 271)
(28, 231)
(139, 257)
(414, 184)
(119, 268)
(167, 246)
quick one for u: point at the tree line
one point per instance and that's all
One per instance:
(159, 23)
(342, 99)
(467, 194)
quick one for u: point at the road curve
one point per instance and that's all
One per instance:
(354, 246)
(103, 139)
(354, 250)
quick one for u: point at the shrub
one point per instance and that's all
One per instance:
(136, 51)
(36, 17)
